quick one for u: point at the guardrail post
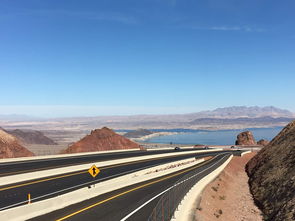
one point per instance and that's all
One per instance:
(169, 204)
(162, 210)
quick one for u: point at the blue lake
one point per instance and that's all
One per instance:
(223, 137)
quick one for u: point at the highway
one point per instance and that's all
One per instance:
(11, 168)
(16, 194)
(116, 205)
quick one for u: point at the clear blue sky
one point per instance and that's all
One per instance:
(145, 56)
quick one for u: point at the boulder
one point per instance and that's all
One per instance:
(263, 142)
(245, 138)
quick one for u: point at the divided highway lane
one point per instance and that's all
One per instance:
(119, 204)
(16, 194)
(11, 168)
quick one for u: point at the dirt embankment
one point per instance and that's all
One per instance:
(228, 198)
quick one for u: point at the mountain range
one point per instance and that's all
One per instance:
(221, 118)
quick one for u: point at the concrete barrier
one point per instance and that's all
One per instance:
(159, 148)
(46, 206)
(243, 153)
(185, 147)
(187, 208)
(7, 160)
(62, 170)
(168, 148)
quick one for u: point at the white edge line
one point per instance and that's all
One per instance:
(147, 202)
(72, 187)
(87, 183)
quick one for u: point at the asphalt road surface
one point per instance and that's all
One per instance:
(40, 189)
(11, 168)
(116, 205)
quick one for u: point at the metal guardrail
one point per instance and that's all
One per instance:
(170, 200)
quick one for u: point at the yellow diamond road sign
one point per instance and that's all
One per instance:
(93, 171)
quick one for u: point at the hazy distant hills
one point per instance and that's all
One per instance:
(235, 117)
(243, 111)
(10, 147)
(16, 117)
(241, 120)
(31, 137)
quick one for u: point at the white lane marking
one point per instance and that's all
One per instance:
(87, 183)
(64, 158)
(69, 188)
(147, 202)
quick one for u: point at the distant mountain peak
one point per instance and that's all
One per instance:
(245, 111)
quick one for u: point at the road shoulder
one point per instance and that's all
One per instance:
(228, 196)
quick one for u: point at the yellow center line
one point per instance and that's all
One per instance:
(44, 168)
(130, 190)
(39, 181)
(34, 170)
(77, 173)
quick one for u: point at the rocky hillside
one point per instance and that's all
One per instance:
(138, 133)
(272, 176)
(101, 139)
(31, 137)
(10, 147)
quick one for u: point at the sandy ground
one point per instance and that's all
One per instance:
(228, 196)
(41, 149)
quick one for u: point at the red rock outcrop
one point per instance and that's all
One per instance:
(245, 138)
(9, 147)
(263, 142)
(272, 176)
(101, 139)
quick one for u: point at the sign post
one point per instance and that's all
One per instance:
(29, 198)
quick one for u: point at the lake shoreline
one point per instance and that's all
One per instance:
(220, 137)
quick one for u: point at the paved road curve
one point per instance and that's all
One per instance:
(11, 168)
(40, 189)
(118, 204)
